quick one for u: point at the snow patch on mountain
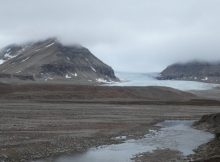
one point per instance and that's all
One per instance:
(25, 59)
(2, 61)
(68, 76)
(101, 80)
(50, 44)
(93, 69)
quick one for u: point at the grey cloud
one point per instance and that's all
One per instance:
(143, 35)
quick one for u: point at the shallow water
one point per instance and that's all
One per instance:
(174, 134)
(148, 79)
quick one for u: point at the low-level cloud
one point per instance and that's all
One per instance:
(129, 35)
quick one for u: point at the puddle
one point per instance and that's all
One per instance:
(174, 135)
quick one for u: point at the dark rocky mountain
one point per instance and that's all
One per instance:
(194, 71)
(50, 60)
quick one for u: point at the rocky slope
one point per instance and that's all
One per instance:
(195, 71)
(50, 60)
(210, 122)
(209, 152)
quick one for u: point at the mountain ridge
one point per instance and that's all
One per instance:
(193, 71)
(51, 60)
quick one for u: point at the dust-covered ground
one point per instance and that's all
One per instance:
(36, 122)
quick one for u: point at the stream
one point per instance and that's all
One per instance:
(173, 134)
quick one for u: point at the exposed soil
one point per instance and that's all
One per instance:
(38, 121)
(69, 92)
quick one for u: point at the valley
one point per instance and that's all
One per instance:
(40, 121)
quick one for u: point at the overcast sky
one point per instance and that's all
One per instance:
(129, 35)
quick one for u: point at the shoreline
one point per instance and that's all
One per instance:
(103, 141)
(163, 153)
(83, 144)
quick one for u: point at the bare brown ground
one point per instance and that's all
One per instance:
(34, 130)
(37, 126)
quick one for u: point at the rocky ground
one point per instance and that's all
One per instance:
(38, 122)
(161, 155)
(209, 152)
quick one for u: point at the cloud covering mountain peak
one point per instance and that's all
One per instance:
(145, 34)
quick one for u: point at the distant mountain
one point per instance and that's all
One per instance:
(194, 71)
(50, 60)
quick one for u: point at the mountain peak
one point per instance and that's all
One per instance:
(49, 59)
(193, 71)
